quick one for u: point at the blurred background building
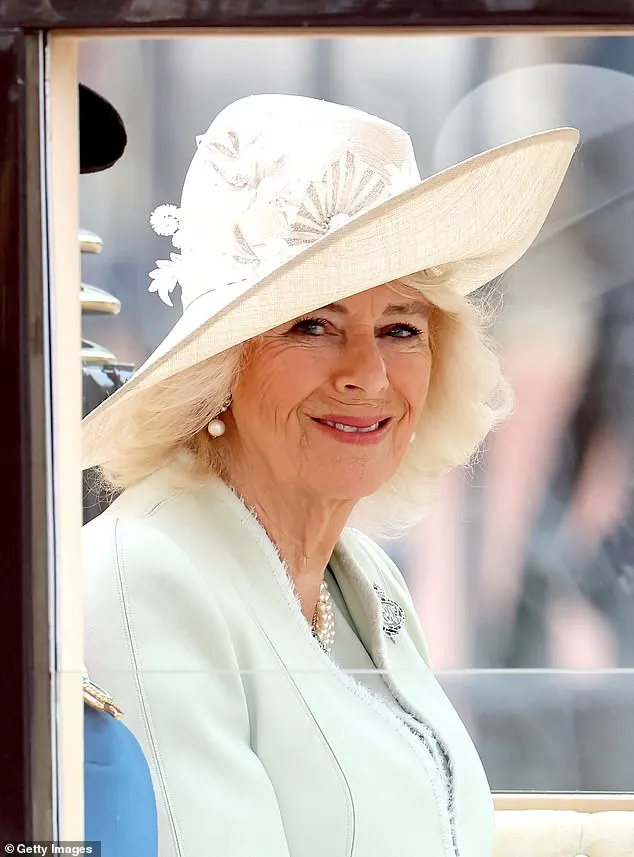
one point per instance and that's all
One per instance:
(523, 574)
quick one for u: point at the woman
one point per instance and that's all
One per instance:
(267, 655)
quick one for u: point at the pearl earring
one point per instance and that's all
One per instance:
(411, 440)
(216, 427)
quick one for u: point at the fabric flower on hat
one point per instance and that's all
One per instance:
(252, 210)
(273, 208)
(347, 188)
(165, 220)
(265, 217)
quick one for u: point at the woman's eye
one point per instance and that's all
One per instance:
(403, 331)
(310, 326)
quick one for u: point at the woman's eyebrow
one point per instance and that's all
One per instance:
(412, 308)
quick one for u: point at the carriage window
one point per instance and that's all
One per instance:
(522, 573)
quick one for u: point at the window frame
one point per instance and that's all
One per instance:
(59, 786)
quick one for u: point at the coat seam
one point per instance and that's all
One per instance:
(136, 672)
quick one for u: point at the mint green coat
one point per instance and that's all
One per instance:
(260, 744)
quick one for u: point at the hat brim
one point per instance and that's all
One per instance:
(102, 134)
(475, 219)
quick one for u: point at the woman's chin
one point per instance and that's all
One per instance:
(338, 486)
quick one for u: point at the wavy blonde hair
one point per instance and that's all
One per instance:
(467, 397)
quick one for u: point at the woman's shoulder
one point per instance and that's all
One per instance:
(136, 541)
(160, 489)
(148, 582)
(146, 513)
(115, 539)
(157, 534)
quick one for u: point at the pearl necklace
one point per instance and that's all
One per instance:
(324, 619)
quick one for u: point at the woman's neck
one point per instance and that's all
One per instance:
(303, 528)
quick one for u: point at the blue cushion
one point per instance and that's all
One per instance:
(120, 809)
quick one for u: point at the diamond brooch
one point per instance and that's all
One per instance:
(393, 614)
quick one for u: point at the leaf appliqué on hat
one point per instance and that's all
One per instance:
(271, 255)
(240, 166)
(165, 277)
(215, 151)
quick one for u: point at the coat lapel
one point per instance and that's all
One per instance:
(403, 662)
(387, 626)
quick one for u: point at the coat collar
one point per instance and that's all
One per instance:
(357, 578)
(372, 596)
(257, 571)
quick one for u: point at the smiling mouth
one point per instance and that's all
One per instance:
(343, 427)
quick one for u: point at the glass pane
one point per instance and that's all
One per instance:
(523, 572)
(548, 730)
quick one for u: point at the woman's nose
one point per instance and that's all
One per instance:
(361, 366)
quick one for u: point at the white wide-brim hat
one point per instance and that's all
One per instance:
(292, 203)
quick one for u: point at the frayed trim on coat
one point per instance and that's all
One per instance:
(423, 740)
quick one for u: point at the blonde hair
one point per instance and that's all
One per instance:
(467, 397)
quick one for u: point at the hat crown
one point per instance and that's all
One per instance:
(271, 176)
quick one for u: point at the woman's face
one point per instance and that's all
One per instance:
(330, 400)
